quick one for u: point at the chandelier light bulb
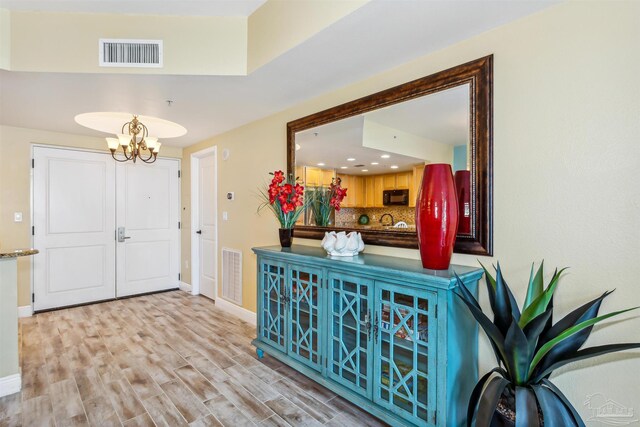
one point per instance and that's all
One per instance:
(113, 143)
(151, 142)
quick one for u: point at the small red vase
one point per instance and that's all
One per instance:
(463, 191)
(437, 216)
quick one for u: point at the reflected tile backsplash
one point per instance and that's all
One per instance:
(348, 217)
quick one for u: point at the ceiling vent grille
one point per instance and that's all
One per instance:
(130, 53)
(232, 275)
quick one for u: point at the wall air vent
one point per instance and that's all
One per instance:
(232, 275)
(130, 53)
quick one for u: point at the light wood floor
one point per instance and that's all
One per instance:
(168, 359)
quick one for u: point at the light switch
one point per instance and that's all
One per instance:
(17, 217)
(225, 216)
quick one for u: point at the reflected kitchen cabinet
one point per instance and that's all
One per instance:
(403, 179)
(415, 184)
(389, 182)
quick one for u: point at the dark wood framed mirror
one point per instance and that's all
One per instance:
(378, 146)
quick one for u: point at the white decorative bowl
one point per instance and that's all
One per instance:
(342, 244)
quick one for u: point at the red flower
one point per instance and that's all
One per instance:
(278, 177)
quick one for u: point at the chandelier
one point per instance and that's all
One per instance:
(133, 138)
(135, 142)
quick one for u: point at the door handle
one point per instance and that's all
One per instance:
(199, 232)
(121, 236)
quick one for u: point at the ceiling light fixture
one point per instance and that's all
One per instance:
(133, 136)
(351, 159)
(374, 163)
(394, 167)
(365, 170)
(320, 164)
(298, 147)
(385, 156)
(343, 167)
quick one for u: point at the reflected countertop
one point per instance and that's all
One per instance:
(17, 253)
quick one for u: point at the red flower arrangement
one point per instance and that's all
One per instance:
(337, 193)
(324, 200)
(285, 198)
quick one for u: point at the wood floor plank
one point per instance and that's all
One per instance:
(254, 385)
(35, 382)
(255, 410)
(300, 398)
(143, 420)
(274, 421)
(142, 383)
(100, 412)
(185, 401)
(227, 413)
(208, 421)
(89, 384)
(197, 383)
(10, 405)
(163, 413)
(124, 400)
(58, 368)
(37, 412)
(65, 401)
(211, 371)
(291, 413)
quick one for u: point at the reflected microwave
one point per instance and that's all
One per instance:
(395, 197)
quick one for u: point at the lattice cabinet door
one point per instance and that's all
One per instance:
(273, 314)
(305, 310)
(350, 343)
(405, 371)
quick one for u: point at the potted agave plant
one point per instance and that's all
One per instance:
(528, 347)
(323, 201)
(285, 198)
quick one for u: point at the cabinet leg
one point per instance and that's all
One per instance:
(260, 353)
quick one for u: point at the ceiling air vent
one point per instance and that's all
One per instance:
(130, 53)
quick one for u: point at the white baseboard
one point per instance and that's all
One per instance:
(10, 384)
(236, 310)
(25, 311)
(185, 287)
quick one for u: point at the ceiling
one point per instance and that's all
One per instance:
(345, 52)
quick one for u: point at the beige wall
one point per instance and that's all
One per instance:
(566, 158)
(15, 188)
(5, 39)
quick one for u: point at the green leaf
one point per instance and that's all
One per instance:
(554, 412)
(569, 332)
(539, 305)
(556, 390)
(585, 353)
(526, 408)
(502, 307)
(518, 352)
(477, 390)
(536, 285)
(489, 400)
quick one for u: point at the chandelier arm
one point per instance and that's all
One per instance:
(113, 154)
(151, 158)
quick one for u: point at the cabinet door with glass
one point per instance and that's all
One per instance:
(273, 314)
(350, 341)
(305, 313)
(405, 371)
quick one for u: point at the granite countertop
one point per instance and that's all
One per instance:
(17, 252)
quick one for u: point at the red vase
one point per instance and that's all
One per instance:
(437, 216)
(463, 191)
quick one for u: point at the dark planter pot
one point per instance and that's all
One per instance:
(437, 216)
(286, 237)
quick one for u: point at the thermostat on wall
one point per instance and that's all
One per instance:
(231, 195)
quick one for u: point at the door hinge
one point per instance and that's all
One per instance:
(178, 174)
(33, 163)
(178, 276)
(179, 225)
(33, 230)
(436, 311)
(33, 297)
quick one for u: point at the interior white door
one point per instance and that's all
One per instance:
(148, 209)
(74, 221)
(207, 214)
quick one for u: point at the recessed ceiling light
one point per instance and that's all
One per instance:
(394, 167)
(351, 159)
(343, 167)
(374, 163)
(385, 156)
(365, 170)
(298, 147)
(320, 164)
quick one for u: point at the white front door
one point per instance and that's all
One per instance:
(207, 225)
(74, 223)
(148, 257)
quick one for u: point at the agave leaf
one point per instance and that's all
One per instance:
(489, 400)
(488, 276)
(536, 285)
(585, 353)
(554, 411)
(477, 390)
(566, 402)
(539, 305)
(466, 294)
(568, 333)
(494, 334)
(502, 310)
(536, 326)
(515, 310)
(584, 312)
(518, 352)
(526, 408)
(568, 347)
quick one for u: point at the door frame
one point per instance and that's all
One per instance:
(195, 215)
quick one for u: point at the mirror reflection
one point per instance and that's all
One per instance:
(379, 157)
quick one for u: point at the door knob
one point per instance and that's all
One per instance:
(121, 236)
(199, 232)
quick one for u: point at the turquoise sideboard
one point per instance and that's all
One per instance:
(381, 331)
